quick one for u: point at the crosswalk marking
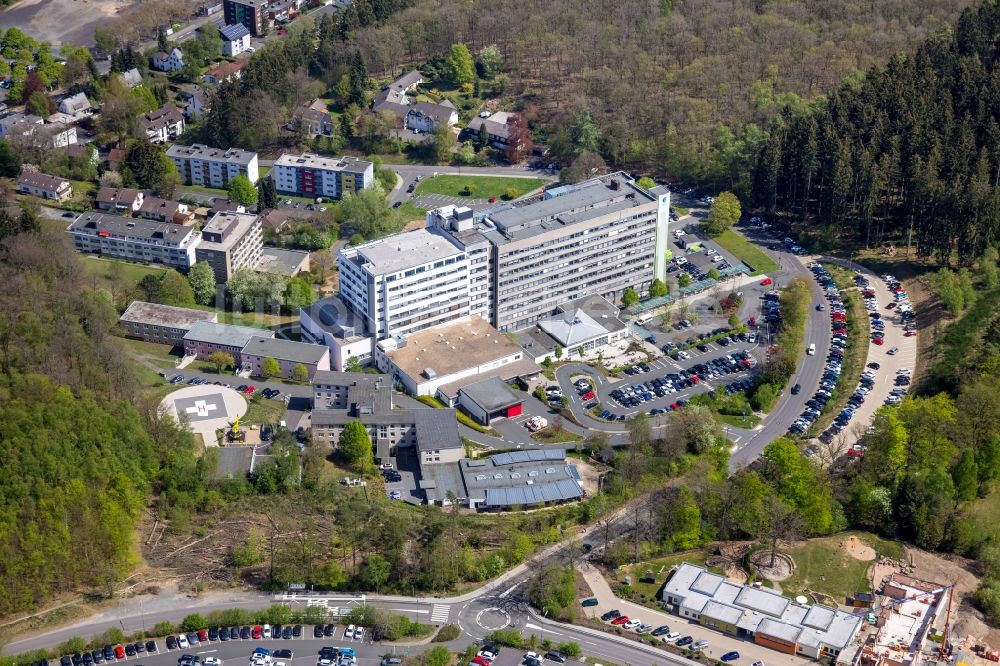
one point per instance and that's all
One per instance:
(440, 613)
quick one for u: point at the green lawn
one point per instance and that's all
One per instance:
(645, 593)
(553, 435)
(746, 252)
(108, 271)
(825, 566)
(263, 411)
(484, 186)
(410, 212)
(158, 355)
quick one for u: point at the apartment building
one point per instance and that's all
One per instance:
(310, 175)
(251, 13)
(597, 237)
(213, 167)
(235, 39)
(405, 283)
(231, 241)
(135, 240)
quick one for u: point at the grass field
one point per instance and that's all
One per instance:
(264, 411)
(645, 593)
(746, 252)
(553, 435)
(823, 565)
(484, 186)
(107, 271)
(409, 212)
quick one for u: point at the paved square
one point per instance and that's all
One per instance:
(201, 408)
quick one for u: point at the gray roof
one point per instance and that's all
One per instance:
(436, 429)
(786, 632)
(492, 126)
(131, 228)
(576, 204)
(286, 350)
(200, 151)
(132, 78)
(282, 262)
(334, 317)
(366, 393)
(440, 113)
(722, 612)
(519, 457)
(76, 103)
(226, 335)
(764, 601)
(41, 180)
(166, 115)
(396, 90)
(169, 316)
(557, 491)
(491, 394)
(522, 478)
(233, 461)
(233, 32)
(399, 252)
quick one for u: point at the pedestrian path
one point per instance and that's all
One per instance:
(440, 613)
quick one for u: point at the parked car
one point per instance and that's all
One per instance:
(731, 656)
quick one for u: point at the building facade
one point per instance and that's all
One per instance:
(45, 186)
(405, 283)
(329, 322)
(231, 241)
(205, 338)
(122, 200)
(135, 240)
(287, 353)
(599, 237)
(310, 175)
(162, 324)
(168, 62)
(235, 39)
(164, 124)
(250, 13)
(213, 167)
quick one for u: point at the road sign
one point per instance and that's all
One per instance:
(296, 586)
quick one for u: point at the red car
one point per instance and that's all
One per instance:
(589, 395)
(620, 620)
(481, 661)
(910, 334)
(839, 316)
(878, 341)
(257, 631)
(694, 378)
(249, 390)
(202, 635)
(766, 282)
(119, 652)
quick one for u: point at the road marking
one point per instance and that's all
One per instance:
(410, 610)
(440, 613)
(535, 626)
(508, 590)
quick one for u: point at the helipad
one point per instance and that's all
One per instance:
(205, 408)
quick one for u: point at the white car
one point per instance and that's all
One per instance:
(671, 637)
(349, 632)
(267, 631)
(182, 641)
(632, 624)
(213, 661)
(903, 371)
(359, 634)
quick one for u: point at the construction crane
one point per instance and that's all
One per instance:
(947, 619)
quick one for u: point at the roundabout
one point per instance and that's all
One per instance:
(493, 618)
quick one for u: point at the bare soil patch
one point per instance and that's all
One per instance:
(857, 549)
(777, 570)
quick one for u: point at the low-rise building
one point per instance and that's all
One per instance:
(310, 175)
(19, 124)
(760, 615)
(122, 200)
(132, 78)
(329, 322)
(135, 240)
(441, 360)
(497, 128)
(225, 71)
(231, 241)
(164, 124)
(275, 220)
(312, 119)
(426, 117)
(55, 135)
(287, 353)
(75, 105)
(235, 39)
(164, 210)
(163, 324)
(589, 323)
(489, 399)
(43, 185)
(195, 100)
(279, 261)
(342, 397)
(205, 166)
(168, 62)
(394, 99)
(205, 338)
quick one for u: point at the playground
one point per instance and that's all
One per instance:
(205, 409)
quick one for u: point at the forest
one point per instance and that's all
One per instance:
(910, 153)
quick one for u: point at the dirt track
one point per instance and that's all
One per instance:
(60, 21)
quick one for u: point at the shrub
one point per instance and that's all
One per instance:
(163, 628)
(448, 632)
(508, 637)
(194, 622)
(570, 649)
(510, 193)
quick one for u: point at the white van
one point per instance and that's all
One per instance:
(812, 350)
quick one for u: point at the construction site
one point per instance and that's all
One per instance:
(911, 627)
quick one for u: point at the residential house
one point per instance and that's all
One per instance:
(18, 124)
(225, 71)
(54, 135)
(496, 128)
(313, 119)
(195, 100)
(164, 124)
(82, 151)
(114, 159)
(250, 13)
(426, 117)
(235, 39)
(43, 185)
(393, 98)
(132, 78)
(168, 62)
(75, 105)
(275, 220)
(121, 200)
(283, 11)
(163, 210)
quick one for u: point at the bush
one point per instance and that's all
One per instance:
(448, 632)
(194, 622)
(508, 637)
(73, 645)
(164, 628)
(570, 649)
(510, 193)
